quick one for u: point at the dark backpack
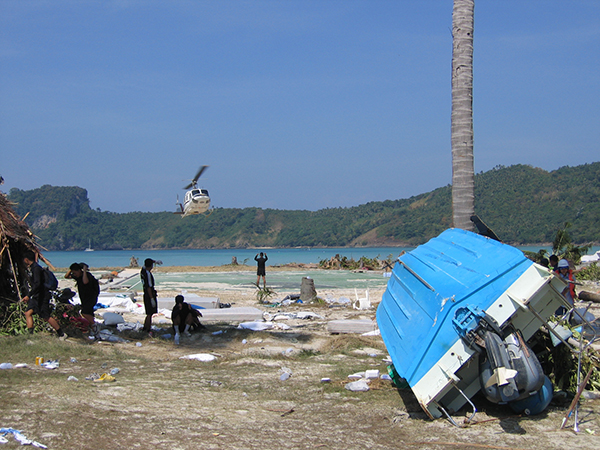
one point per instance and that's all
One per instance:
(95, 283)
(50, 281)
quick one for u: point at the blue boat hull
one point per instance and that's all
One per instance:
(438, 292)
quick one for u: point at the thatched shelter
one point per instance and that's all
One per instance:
(15, 239)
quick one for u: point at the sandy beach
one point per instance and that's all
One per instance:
(284, 387)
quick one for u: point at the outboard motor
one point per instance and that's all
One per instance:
(508, 370)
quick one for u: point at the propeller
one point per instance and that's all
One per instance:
(195, 179)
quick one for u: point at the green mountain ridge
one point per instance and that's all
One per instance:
(522, 204)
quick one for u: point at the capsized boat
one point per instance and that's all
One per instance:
(456, 316)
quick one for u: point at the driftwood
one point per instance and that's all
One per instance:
(589, 296)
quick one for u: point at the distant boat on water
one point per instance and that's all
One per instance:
(89, 249)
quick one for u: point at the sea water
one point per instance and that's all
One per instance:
(216, 257)
(220, 257)
(280, 281)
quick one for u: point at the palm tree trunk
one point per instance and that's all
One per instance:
(463, 175)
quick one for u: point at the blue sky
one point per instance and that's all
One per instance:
(292, 104)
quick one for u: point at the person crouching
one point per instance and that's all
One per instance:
(184, 318)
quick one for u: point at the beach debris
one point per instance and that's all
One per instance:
(203, 357)
(454, 298)
(286, 373)
(107, 335)
(372, 333)
(372, 374)
(105, 377)
(363, 302)
(301, 315)
(342, 301)
(51, 364)
(559, 331)
(590, 395)
(357, 376)
(357, 326)
(129, 326)
(234, 314)
(20, 437)
(357, 386)
(582, 313)
(325, 380)
(304, 315)
(5, 366)
(111, 318)
(72, 378)
(138, 344)
(589, 296)
(255, 326)
(291, 298)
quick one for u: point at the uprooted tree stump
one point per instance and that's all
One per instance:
(307, 290)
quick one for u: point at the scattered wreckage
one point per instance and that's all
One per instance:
(456, 317)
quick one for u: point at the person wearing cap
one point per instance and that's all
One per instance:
(89, 289)
(150, 302)
(184, 317)
(564, 271)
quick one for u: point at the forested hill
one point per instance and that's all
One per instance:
(522, 204)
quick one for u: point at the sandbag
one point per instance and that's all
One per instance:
(111, 318)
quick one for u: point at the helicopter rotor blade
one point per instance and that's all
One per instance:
(195, 179)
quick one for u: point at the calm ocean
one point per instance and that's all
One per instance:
(277, 256)
(121, 258)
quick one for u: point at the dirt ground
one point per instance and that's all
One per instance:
(239, 401)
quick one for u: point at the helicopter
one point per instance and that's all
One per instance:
(196, 201)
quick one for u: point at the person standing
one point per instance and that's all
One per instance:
(38, 296)
(150, 302)
(553, 263)
(564, 271)
(88, 288)
(261, 271)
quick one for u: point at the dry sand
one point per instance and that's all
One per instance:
(239, 401)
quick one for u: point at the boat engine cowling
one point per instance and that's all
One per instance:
(508, 369)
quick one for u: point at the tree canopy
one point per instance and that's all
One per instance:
(522, 204)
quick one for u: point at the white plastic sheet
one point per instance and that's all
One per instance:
(204, 357)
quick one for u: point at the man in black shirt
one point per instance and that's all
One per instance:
(88, 288)
(150, 302)
(38, 296)
(184, 317)
(261, 270)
